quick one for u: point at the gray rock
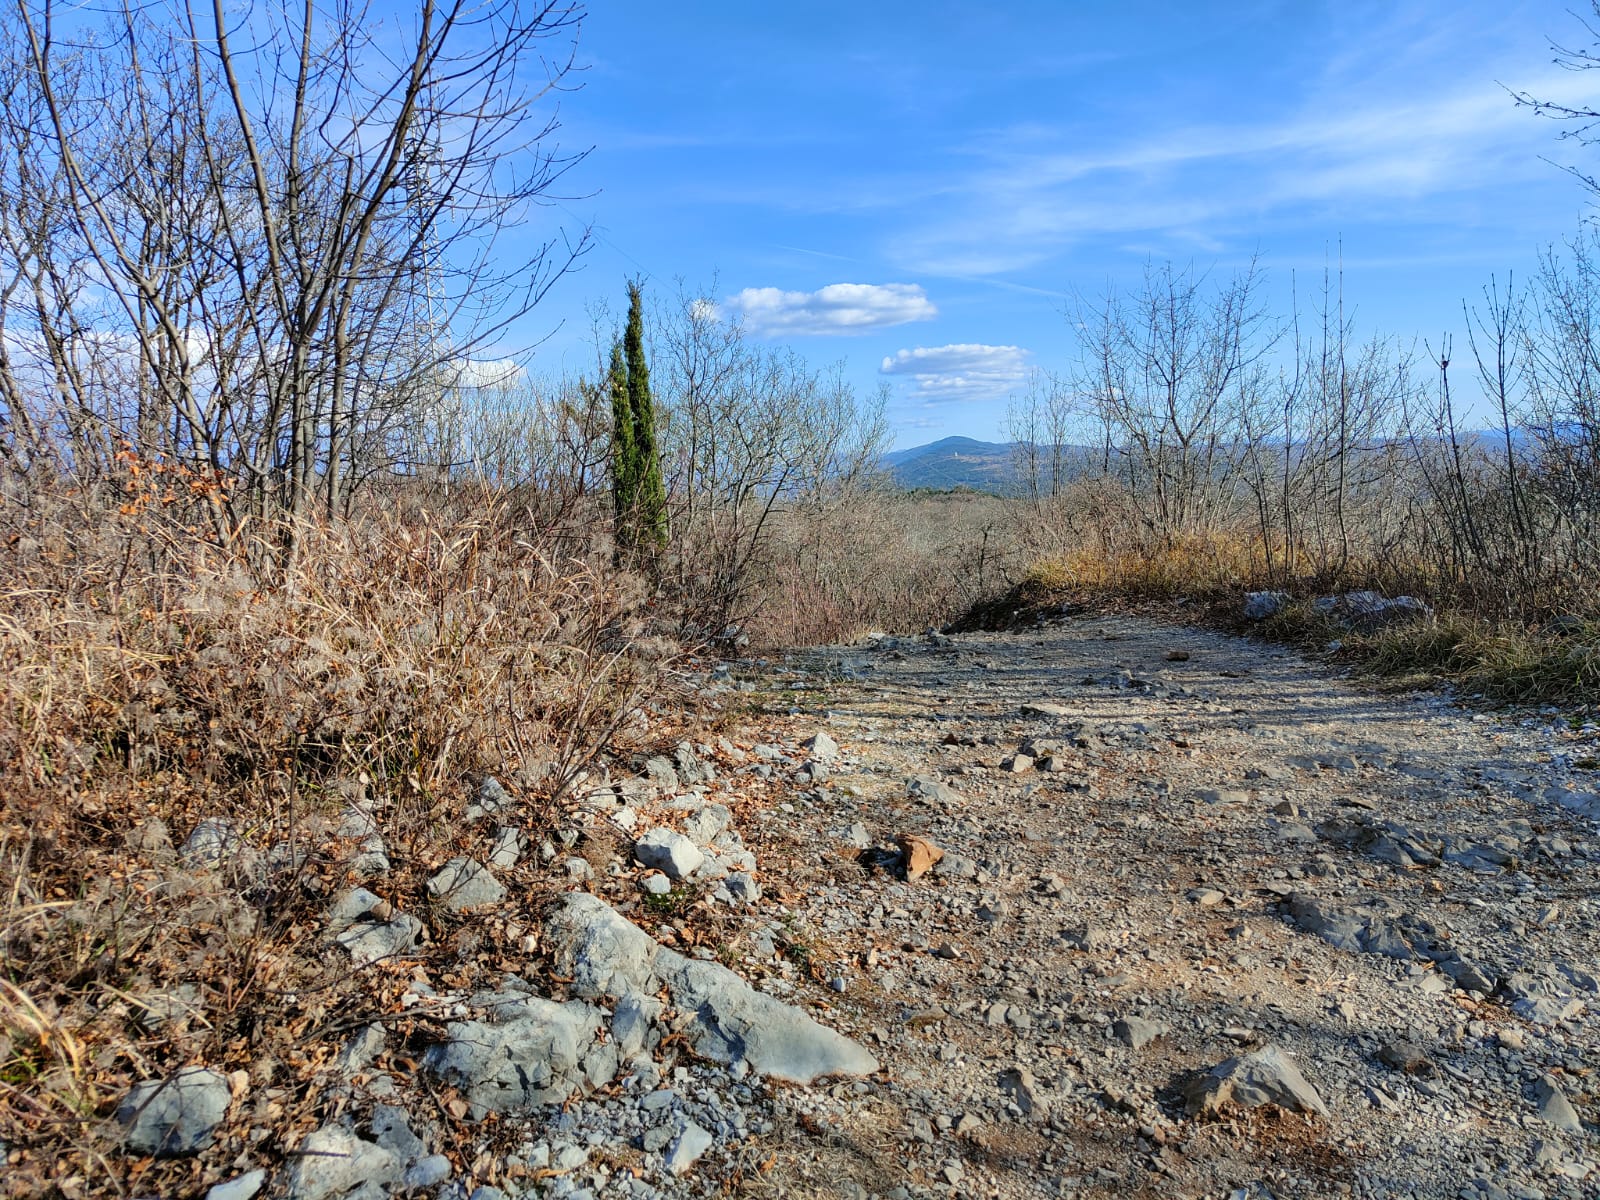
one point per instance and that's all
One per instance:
(1045, 708)
(373, 941)
(669, 852)
(690, 1143)
(365, 1044)
(1087, 937)
(332, 1163)
(217, 844)
(176, 1006)
(1137, 1033)
(1566, 625)
(657, 1138)
(734, 1023)
(1554, 1107)
(1368, 611)
(707, 823)
(1367, 929)
(391, 1129)
(1468, 975)
(1018, 1083)
(177, 1115)
(1406, 1057)
(955, 866)
(925, 787)
(492, 800)
(1267, 1076)
(656, 884)
(1292, 831)
(1584, 803)
(742, 887)
(821, 747)
(244, 1187)
(510, 843)
(350, 906)
(427, 1172)
(631, 1023)
(858, 836)
(662, 772)
(462, 884)
(1543, 999)
(605, 954)
(527, 1051)
(1258, 606)
(360, 826)
(691, 769)
(812, 771)
(578, 870)
(602, 952)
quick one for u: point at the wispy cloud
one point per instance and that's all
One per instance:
(964, 371)
(839, 308)
(1029, 200)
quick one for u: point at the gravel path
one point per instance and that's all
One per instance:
(1216, 849)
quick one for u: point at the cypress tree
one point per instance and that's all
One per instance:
(624, 466)
(649, 523)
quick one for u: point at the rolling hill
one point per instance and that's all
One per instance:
(956, 462)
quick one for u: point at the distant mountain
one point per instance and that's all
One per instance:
(963, 462)
(956, 462)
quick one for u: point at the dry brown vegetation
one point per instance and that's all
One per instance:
(149, 681)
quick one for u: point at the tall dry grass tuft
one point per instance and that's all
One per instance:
(411, 644)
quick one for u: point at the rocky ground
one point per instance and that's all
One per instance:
(1217, 849)
(1109, 908)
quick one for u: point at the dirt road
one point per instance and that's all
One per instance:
(1165, 849)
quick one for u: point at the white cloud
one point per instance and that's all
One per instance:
(488, 373)
(965, 371)
(839, 308)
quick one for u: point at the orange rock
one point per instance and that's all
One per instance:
(920, 853)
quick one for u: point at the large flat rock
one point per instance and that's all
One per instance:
(729, 1021)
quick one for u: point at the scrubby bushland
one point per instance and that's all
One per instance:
(886, 561)
(149, 680)
(1204, 443)
(1204, 447)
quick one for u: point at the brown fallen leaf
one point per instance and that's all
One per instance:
(920, 854)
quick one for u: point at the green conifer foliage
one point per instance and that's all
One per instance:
(638, 488)
(624, 466)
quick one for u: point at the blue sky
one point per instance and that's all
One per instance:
(919, 189)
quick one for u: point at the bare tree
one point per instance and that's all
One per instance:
(1581, 122)
(749, 435)
(298, 215)
(1167, 370)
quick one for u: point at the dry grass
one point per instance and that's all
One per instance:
(889, 562)
(1204, 576)
(1501, 662)
(149, 679)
